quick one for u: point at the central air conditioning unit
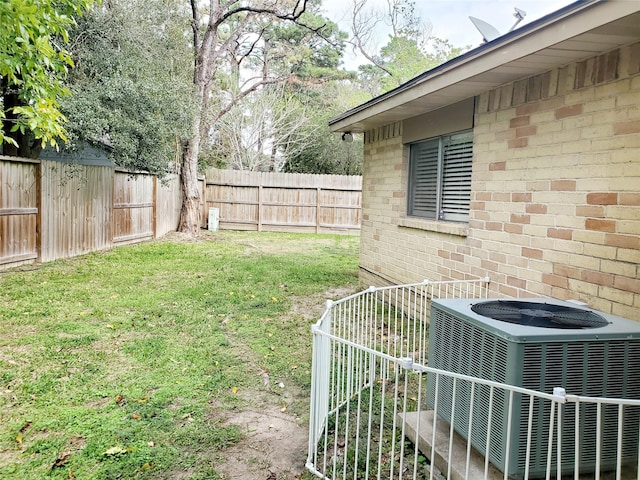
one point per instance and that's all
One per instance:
(537, 344)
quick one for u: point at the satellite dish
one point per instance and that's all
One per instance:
(488, 31)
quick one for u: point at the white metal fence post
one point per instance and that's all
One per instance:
(320, 365)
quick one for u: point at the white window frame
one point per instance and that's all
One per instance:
(440, 177)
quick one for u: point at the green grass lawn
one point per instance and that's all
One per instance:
(110, 362)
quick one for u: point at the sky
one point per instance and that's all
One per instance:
(450, 18)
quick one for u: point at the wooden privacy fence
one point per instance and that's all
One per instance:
(51, 210)
(287, 202)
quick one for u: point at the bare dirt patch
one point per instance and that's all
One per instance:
(274, 446)
(275, 443)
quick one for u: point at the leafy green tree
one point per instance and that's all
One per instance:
(308, 52)
(33, 66)
(403, 59)
(132, 82)
(325, 152)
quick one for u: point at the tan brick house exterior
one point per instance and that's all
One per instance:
(555, 187)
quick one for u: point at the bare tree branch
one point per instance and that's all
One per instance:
(274, 130)
(363, 25)
(244, 92)
(298, 10)
(195, 27)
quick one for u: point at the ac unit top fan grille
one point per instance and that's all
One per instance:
(543, 315)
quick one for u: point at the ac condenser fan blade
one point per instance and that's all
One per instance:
(534, 314)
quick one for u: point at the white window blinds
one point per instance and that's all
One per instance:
(440, 177)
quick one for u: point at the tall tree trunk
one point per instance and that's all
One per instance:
(190, 213)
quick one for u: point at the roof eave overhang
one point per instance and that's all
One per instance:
(554, 38)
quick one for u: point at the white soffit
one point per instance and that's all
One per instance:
(587, 29)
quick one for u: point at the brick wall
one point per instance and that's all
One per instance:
(555, 196)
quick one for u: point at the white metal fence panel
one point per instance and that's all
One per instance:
(369, 416)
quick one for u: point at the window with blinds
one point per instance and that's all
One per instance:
(440, 177)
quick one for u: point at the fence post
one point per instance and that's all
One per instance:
(112, 214)
(259, 208)
(321, 371)
(318, 213)
(39, 213)
(203, 200)
(154, 208)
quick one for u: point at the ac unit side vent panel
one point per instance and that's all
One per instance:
(602, 365)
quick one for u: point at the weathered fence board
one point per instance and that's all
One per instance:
(168, 204)
(75, 209)
(265, 201)
(51, 209)
(133, 207)
(18, 212)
